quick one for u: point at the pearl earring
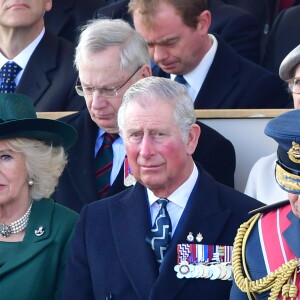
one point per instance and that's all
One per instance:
(30, 182)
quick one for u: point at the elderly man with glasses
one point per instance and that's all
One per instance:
(110, 57)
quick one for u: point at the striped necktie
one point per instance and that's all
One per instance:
(160, 235)
(9, 72)
(103, 164)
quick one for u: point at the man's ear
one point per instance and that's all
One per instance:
(146, 71)
(193, 138)
(204, 21)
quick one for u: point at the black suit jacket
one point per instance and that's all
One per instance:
(49, 77)
(235, 25)
(67, 15)
(77, 184)
(235, 82)
(109, 258)
(283, 38)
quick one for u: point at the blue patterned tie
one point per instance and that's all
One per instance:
(9, 72)
(103, 164)
(180, 79)
(160, 235)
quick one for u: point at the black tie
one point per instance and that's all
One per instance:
(9, 72)
(160, 235)
(180, 79)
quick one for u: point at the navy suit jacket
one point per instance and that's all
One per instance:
(109, 258)
(235, 82)
(254, 253)
(77, 184)
(49, 77)
(235, 25)
(283, 38)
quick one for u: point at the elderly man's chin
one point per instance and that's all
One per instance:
(152, 183)
(107, 125)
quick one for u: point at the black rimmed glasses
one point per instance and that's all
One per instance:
(294, 85)
(105, 92)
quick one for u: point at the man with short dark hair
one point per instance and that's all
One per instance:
(216, 76)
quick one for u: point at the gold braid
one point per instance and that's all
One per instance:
(276, 281)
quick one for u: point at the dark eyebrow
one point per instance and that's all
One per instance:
(163, 41)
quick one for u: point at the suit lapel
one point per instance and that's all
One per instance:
(80, 167)
(118, 184)
(41, 214)
(130, 224)
(201, 214)
(291, 232)
(222, 74)
(35, 89)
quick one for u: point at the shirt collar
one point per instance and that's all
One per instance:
(196, 77)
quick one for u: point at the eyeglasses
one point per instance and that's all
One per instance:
(105, 92)
(294, 85)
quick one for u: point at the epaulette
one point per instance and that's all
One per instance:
(266, 208)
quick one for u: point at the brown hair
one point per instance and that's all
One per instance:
(189, 10)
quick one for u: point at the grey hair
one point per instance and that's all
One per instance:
(44, 164)
(100, 34)
(152, 90)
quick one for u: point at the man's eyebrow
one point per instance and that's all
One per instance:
(163, 41)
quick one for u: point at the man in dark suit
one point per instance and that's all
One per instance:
(117, 43)
(283, 38)
(235, 25)
(215, 75)
(65, 17)
(44, 62)
(115, 254)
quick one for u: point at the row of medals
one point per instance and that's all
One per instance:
(210, 271)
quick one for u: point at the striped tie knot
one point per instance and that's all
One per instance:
(160, 235)
(104, 163)
(8, 73)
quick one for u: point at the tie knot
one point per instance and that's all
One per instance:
(109, 138)
(162, 202)
(180, 79)
(10, 70)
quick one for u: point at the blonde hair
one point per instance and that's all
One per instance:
(44, 164)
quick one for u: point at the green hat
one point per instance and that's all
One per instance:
(18, 119)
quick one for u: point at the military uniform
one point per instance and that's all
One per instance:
(267, 247)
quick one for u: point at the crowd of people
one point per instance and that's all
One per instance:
(130, 196)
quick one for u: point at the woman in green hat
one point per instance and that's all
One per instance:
(35, 232)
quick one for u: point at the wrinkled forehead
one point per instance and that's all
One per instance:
(139, 114)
